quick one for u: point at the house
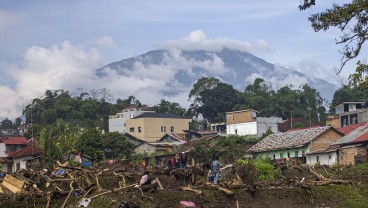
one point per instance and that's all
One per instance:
(353, 146)
(151, 127)
(246, 122)
(218, 127)
(5, 165)
(26, 157)
(148, 148)
(295, 144)
(117, 122)
(327, 156)
(351, 113)
(11, 144)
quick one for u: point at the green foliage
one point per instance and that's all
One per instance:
(347, 93)
(167, 107)
(90, 144)
(264, 135)
(297, 125)
(247, 171)
(136, 159)
(230, 148)
(116, 146)
(351, 20)
(265, 170)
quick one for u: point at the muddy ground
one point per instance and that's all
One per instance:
(267, 195)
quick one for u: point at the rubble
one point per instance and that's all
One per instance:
(79, 187)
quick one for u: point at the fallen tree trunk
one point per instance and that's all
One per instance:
(186, 188)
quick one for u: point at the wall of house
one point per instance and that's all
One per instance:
(325, 140)
(2, 150)
(240, 117)
(347, 156)
(22, 161)
(283, 153)
(334, 122)
(265, 123)
(145, 149)
(117, 124)
(329, 158)
(249, 128)
(4, 167)
(152, 129)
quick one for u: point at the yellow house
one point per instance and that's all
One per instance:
(151, 127)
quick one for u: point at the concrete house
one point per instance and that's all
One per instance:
(246, 122)
(295, 144)
(25, 157)
(117, 122)
(11, 144)
(151, 127)
(348, 113)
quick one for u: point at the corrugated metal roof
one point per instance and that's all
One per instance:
(288, 139)
(347, 129)
(360, 134)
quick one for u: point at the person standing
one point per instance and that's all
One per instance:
(215, 167)
(183, 160)
(177, 161)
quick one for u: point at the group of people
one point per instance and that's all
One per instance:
(180, 161)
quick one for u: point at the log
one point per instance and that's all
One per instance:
(186, 188)
(109, 191)
(226, 191)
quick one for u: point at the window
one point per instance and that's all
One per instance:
(172, 129)
(124, 124)
(288, 154)
(236, 131)
(164, 128)
(18, 166)
(131, 129)
(296, 153)
(329, 157)
(139, 129)
(317, 159)
(303, 153)
(281, 155)
(274, 156)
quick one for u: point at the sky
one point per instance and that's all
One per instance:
(50, 45)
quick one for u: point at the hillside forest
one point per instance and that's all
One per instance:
(210, 99)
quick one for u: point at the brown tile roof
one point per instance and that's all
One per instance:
(179, 136)
(27, 151)
(289, 139)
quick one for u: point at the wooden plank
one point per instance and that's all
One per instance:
(13, 184)
(10, 187)
(14, 181)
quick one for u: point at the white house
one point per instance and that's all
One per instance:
(246, 122)
(323, 157)
(25, 157)
(117, 122)
(11, 144)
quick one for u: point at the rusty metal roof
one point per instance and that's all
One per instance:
(288, 139)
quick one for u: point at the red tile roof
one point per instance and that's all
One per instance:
(5, 160)
(14, 140)
(347, 129)
(27, 151)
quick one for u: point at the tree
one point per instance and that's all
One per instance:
(167, 107)
(347, 93)
(6, 124)
(215, 102)
(90, 144)
(115, 145)
(351, 20)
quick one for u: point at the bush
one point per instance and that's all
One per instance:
(265, 170)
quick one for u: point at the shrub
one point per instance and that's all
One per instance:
(265, 170)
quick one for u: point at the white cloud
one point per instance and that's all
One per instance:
(197, 40)
(105, 41)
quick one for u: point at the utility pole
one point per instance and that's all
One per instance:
(310, 120)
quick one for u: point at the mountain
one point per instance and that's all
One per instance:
(181, 69)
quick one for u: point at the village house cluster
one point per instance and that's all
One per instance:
(342, 141)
